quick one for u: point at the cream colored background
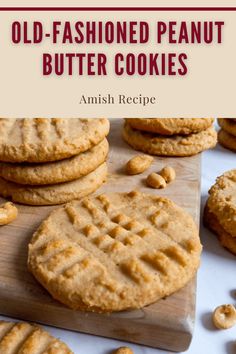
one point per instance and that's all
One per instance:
(207, 90)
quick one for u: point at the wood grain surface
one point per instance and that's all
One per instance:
(167, 324)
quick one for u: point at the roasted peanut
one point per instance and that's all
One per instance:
(168, 173)
(123, 350)
(138, 164)
(155, 181)
(224, 316)
(8, 213)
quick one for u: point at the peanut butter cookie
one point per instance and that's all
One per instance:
(54, 193)
(222, 201)
(48, 139)
(27, 338)
(228, 125)
(171, 126)
(227, 140)
(176, 145)
(56, 172)
(212, 222)
(115, 251)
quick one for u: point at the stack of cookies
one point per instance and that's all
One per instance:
(47, 161)
(220, 210)
(227, 133)
(170, 136)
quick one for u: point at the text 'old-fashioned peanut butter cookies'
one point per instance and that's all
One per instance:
(26, 338)
(175, 145)
(48, 139)
(55, 193)
(56, 172)
(115, 251)
(220, 210)
(170, 126)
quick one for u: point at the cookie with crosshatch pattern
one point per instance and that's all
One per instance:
(48, 139)
(115, 251)
(28, 338)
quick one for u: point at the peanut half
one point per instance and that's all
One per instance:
(154, 180)
(8, 213)
(224, 316)
(138, 164)
(168, 173)
(123, 350)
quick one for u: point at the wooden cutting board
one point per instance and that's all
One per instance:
(167, 324)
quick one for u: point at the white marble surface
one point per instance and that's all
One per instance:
(216, 285)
